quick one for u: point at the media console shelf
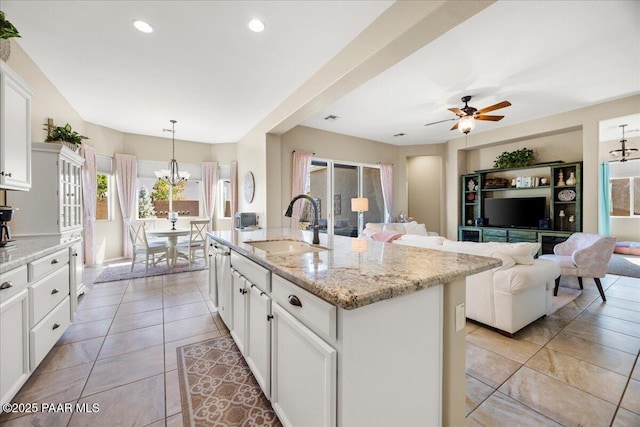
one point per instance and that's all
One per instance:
(560, 183)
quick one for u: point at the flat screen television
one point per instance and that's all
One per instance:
(525, 212)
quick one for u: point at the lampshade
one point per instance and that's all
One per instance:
(359, 204)
(359, 245)
(466, 124)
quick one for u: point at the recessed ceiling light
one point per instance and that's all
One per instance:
(256, 25)
(143, 26)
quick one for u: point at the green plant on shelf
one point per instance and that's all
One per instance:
(515, 159)
(7, 30)
(63, 133)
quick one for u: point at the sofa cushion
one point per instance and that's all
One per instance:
(521, 278)
(422, 241)
(522, 253)
(414, 228)
(398, 227)
(507, 261)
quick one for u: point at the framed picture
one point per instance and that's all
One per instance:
(337, 204)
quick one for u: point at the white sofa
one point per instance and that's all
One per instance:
(509, 297)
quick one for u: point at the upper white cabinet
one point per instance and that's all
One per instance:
(54, 204)
(15, 131)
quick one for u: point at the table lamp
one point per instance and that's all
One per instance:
(173, 218)
(360, 205)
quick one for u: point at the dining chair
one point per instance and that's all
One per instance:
(198, 240)
(141, 246)
(583, 255)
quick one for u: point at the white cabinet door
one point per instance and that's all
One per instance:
(211, 277)
(223, 282)
(258, 348)
(76, 271)
(15, 131)
(303, 373)
(14, 344)
(238, 297)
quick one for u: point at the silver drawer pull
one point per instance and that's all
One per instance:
(54, 261)
(6, 285)
(55, 291)
(294, 300)
(55, 326)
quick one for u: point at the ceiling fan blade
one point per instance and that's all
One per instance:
(441, 121)
(457, 111)
(489, 118)
(455, 126)
(494, 107)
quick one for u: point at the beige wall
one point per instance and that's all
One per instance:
(425, 190)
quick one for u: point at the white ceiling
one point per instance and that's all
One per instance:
(203, 68)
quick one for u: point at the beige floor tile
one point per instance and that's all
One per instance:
(612, 323)
(152, 303)
(189, 327)
(175, 420)
(159, 423)
(517, 350)
(144, 286)
(470, 327)
(557, 400)
(626, 418)
(539, 332)
(212, 308)
(176, 289)
(501, 410)
(124, 369)
(617, 312)
(172, 384)
(488, 367)
(142, 295)
(85, 331)
(476, 393)
(48, 419)
(587, 298)
(170, 301)
(120, 286)
(62, 385)
(605, 337)
(595, 380)
(631, 399)
(136, 321)
(184, 311)
(620, 303)
(106, 291)
(596, 354)
(623, 292)
(142, 281)
(77, 353)
(170, 357)
(131, 341)
(99, 313)
(136, 404)
(88, 302)
(636, 372)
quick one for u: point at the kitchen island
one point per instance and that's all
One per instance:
(376, 323)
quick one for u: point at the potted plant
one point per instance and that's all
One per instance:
(65, 135)
(515, 159)
(7, 31)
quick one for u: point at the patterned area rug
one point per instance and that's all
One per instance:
(218, 388)
(123, 271)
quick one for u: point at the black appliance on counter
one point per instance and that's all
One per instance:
(6, 213)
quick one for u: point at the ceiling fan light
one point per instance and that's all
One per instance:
(466, 124)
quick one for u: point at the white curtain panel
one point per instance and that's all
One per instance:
(210, 183)
(386, 179)
(89, 184)
(234, 189)
(126, 173)
(300, 172)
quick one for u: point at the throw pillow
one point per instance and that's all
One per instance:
(396, 226)
(507, 261)
(522, 253)
(414, 228)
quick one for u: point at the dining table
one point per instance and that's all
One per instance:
(172, 238)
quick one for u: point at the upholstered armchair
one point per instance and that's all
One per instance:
(583, 255)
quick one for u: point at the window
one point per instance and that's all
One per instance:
(625, 196)
(104, 185)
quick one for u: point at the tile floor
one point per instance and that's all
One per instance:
(578, 366)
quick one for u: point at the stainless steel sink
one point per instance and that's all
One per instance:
(282, 247)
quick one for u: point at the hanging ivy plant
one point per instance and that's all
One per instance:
(515, 159)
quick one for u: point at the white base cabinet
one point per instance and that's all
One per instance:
(258, 348)
(14, 344)
(239, 312)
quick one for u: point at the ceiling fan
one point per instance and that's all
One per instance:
(468, 115)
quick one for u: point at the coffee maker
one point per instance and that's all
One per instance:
(6, 213)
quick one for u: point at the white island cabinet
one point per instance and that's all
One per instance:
(15, 131)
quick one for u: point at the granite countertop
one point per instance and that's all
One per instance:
(28, 249)
(353, 273)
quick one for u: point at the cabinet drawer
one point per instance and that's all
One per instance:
(489, 238)
(12, 282)
(45, 294)
(47, 264)
(48, 331)
(523, 236)
(316, 314)
(256, 274)
(495, 233)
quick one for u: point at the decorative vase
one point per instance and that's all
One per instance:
(560, 179)
(572, 179)
(5, 49)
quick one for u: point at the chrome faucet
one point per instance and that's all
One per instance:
(316, 225)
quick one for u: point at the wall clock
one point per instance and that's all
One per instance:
(249, 187)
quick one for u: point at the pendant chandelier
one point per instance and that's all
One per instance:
(172, 175)
(624, 152)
